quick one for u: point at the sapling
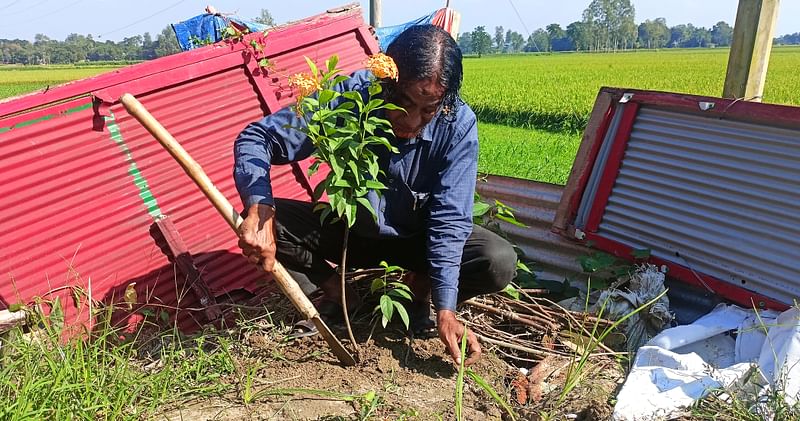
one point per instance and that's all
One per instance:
(346, 130)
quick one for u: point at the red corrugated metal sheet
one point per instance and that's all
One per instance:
(82, 182)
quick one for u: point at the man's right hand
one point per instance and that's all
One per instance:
(257, 236)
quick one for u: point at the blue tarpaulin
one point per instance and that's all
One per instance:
(387, 34)
(207, 28)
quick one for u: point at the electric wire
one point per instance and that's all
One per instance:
(27, 8)
(11, 4)
(33, 19)
(525, 27)
(142, 19)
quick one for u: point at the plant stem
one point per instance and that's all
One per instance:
(344, 288)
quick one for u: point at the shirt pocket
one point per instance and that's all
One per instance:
(406, 209)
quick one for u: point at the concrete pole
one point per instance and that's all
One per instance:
(752, 43)
(375, 13)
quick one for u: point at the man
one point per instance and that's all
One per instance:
(424, 221)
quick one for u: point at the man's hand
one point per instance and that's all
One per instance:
(451, 331)
(257, 236)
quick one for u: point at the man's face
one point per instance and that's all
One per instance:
(420, 99)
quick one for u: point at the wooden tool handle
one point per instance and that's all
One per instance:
(288, 285)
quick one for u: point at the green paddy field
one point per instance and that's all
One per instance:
(532, 108)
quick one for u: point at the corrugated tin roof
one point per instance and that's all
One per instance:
(721, 197)
(710, 186)
(535, 206)
(83, 182)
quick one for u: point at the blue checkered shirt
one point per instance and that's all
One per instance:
(431, 182)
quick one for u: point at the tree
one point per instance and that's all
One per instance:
(554, 34)
(581, 35)
(465, 43)
(680, 35)
(515, 42)
(148, 47)
(498, 38)
(538, 41)
(722, 34)
(167, 42)
(654, 33)
(700, 37)
(265, 18)
(614, 23)
(481, 41)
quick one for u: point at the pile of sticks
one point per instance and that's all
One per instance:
(532, 327)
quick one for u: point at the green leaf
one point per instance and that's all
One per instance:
(387, 309)
(393, 107)
(314, 167)
(339, 79)
(365, 203)
(375, 185)
(511, 291)
(331, 62)
(493, 393)
(523, 267)
(377, 284)
(56, 317)
(374, 89)
(264, 63)
(480, 209)
(372, 104)
(400, 293)
(350, 213)
(312, 66)
(325, 96)
(402, 312)
(510, 220)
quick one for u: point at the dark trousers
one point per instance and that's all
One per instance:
(305, 246)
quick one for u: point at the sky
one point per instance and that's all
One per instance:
(117, 19)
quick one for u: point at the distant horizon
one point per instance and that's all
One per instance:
(85, 17)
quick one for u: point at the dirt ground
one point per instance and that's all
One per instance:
(412, 380)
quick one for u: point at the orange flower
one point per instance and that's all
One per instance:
(382, 66)
(305, 84)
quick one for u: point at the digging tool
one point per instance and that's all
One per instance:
(195, 172)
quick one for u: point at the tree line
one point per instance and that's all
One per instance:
(78, 48)
(606, 25)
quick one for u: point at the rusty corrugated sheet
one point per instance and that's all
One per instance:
(535, 205)
(82, 182)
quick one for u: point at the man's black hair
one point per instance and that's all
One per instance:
(425, 51)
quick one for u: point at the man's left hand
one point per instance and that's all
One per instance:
(451, 332)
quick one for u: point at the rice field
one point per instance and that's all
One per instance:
(17, 80)
(532, 108)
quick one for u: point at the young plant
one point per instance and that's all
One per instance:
(459, 398)
(576, 371)
(345, 129)
(392, 295)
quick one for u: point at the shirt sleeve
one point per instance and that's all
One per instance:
(273, 140)
(450, 221)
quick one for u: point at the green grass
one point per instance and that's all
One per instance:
(526, 153)
(18, 80)
(101, 378)
(556, 92)
(551, 97)
(532, 108)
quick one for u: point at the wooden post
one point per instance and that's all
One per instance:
(752, 43)
(375, 13)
